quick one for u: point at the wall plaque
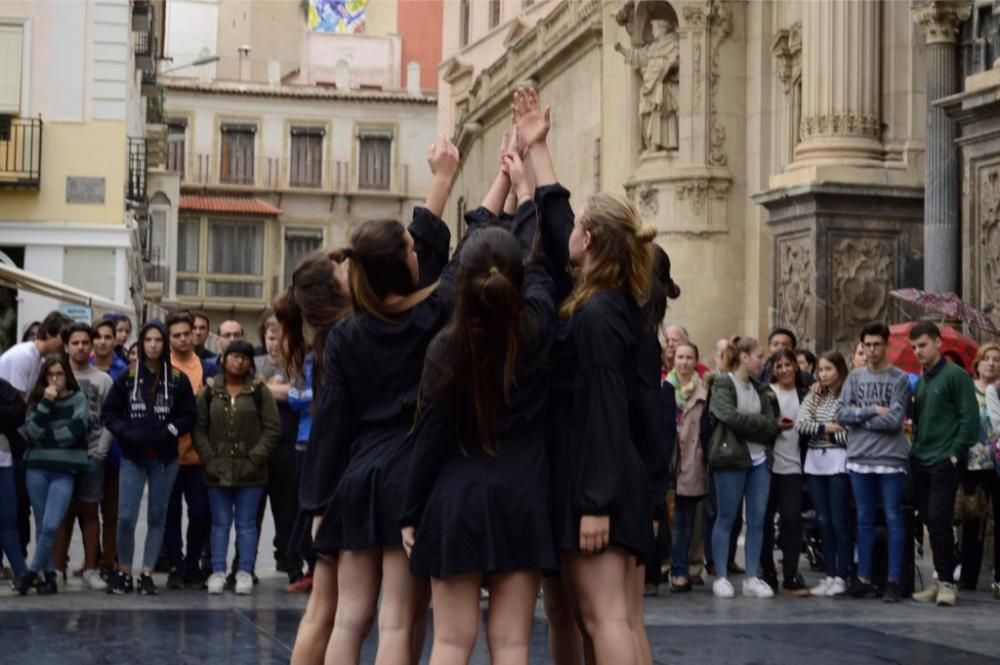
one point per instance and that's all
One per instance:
(84, 190)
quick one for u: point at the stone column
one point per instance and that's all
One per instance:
(841, 88)
(940, 21)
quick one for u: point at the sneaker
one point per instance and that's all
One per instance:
(107, 574)
(25, 582)
(859, 590)
(120, 584)
(928, 595)
(244, 583)
(754, 587)
(304, 585)
(93, 581)
(892, 593)
(795, 587)
(194, 579)
(216, 583)
(822, 589)
(146, 586)
(947, 595)
(996, 590)
(175, 580)
(723, 588)
(771, 579)
(47, 585)
(837, 587)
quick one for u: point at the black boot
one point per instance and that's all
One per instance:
(25, 582)
(49, 585)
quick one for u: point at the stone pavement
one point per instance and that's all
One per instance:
(189, 627)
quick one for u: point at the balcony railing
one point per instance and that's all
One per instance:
(144, 49)
(148, 83)
(137, 171)
(20, 152)
(142, 15)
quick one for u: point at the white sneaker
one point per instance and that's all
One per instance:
(822, 588)
(754, 587)
(837, 587)
(244, 583)
(216, 583)
(723, 588)
(93, 580)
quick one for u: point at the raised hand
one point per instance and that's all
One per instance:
(531, 122)
(443, 158)
(505, 146)
(519, 183)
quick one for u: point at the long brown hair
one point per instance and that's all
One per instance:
(737, 347)
(835, 358)
(308, 309)
(620, 251)
(487, 318)
(42, 382)
(378, 266)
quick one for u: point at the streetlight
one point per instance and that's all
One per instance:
(203, 60)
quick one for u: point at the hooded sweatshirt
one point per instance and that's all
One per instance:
(874, 440)
(143, 404)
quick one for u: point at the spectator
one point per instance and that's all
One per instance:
(672, 336)
(781, 338)
(199, 335)
(806, 360)
(31, 332)
(236, 430)
(104, 357)
(148, 408)
(95, 385)
(12, 412)
(57, 426)
(717, 358)
(872, 406)
(185, 571)
(980, 477)
(946, 426)
(229, 332)
(858, 359)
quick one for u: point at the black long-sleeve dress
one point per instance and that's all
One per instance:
(479, 512)
(606, 443)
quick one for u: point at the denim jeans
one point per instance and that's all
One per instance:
(730, 486)
(132, 481)
(51, 493)
(685, 508)
(190, 484)
(867, 488)
(226, 504)
(831, 497)
(10, 541)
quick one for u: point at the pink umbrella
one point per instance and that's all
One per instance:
(949, 305)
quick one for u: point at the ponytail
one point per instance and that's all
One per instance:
(736, 348)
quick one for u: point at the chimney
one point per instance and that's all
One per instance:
(342, 75)
(274, 71)
(245, 62)
(413, 79)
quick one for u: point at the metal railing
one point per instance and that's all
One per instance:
(137, 171)
(20, 152)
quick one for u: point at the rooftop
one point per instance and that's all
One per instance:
(241, 205)
(292, 91)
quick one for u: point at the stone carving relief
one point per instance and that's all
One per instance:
(847, 123)
(658, 63)
(720, 25)
(697, 190)
(647, 200)
(787, 50)
(794, 285)
(863, 274)
(989, 240)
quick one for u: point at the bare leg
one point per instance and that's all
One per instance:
(636, 615)
(317, 622)
(359, 573)
(403, 597)
(456, 618)
(512, 609)
(599, 582)
(420, 624)
(565, 639)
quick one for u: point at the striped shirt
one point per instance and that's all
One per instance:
(815, 412)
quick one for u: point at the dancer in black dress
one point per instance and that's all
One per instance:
(358, 457)
(315, 301)
(477, 499)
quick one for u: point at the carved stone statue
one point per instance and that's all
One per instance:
(657, 62)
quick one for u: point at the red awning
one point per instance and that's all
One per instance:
(240, 205)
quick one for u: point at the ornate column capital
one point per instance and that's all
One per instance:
(941, 19)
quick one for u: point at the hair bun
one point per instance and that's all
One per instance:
(673, 291)
(646, 233)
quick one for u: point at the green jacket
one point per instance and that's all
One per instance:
(234, 440)
(732, 429)
(57, 433)
(945, 415)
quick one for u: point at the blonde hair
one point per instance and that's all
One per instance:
(620, 249)
(981, 355)
(737, 347)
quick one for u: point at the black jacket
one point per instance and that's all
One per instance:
(12, 412)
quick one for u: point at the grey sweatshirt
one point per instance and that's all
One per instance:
(875, 440)
(96, 385)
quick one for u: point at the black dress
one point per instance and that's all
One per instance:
(606, 441)
(479, 512)
(365, 407)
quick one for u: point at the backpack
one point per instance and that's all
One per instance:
(257, 398)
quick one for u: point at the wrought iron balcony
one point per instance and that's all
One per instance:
(145, 49)
(20, 152)
(137, 172)
(142, 15)
(148, 83)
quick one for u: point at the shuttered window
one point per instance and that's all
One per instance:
(11, 52)
(237, 159)
(299, 243)
(305, 167)
(375, 160)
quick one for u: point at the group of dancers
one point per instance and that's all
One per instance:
(489, 419)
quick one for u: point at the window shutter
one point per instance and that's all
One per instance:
(11, 46)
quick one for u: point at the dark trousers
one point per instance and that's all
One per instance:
(710, 511)
(189, 485)
(974, 530)
(934, 491)
(785, 501)
(23, 506)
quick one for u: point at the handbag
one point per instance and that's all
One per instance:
(969, 507)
